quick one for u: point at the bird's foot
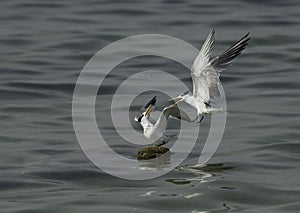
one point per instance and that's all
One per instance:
(195, 120)
(201, 119)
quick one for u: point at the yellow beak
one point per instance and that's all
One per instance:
(176, 99)
(148, 110)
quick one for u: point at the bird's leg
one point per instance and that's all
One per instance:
(201, 119)
(197, 119)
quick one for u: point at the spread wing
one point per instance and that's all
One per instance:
(221, 62)
(224, 60)
(200, 84)
(206, 72)
(175, 112)
(172, 111)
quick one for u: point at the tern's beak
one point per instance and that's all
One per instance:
(148, 110)
(176, 99)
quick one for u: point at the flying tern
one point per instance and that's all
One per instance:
(205, 74)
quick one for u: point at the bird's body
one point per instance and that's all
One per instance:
(151, 131)
(201, 106)
(155, 130)
(205, 74)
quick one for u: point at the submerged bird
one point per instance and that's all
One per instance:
(155, 130)
(205, 74)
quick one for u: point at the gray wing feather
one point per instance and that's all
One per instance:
(175, 112)
(202, 58)
(220, 63)
(224, 60)
(213, 81)
(200, 87)
(208, 44)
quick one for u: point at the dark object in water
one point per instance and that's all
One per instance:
(150, 152)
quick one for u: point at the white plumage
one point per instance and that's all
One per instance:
(155, 130)
(205, 74)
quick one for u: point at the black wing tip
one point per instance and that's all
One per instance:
(244, 40)
(226, 58)
(246, 35)
(239, 45)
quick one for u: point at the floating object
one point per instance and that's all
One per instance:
(151, 152)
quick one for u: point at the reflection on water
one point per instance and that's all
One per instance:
(198, 173)
(157, 163)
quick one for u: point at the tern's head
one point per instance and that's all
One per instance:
(146, 110)
(182, 97)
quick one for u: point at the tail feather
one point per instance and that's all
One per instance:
(226, 58)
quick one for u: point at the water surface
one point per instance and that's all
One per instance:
(45, 44)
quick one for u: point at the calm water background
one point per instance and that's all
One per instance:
(45, 44)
